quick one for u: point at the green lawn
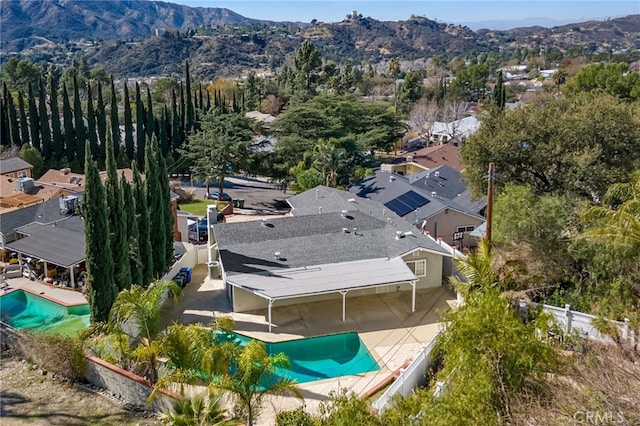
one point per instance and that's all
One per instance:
(197, 206)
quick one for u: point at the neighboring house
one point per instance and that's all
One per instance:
(436, 155)
(261, 117)
(436, 200)
(15, 167)
(454, 131)
(334, 245)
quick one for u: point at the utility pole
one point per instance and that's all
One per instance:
(489, 203)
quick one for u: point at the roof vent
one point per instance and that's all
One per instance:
(264, 221)
(345, 230)
(433, 194)
(344, 213)
(66, 170)
(277, 255)
(437, 173)
(398, 235)
(355, 230)
(351, 200)
(391, 178)
(320, 210)
(317, 194)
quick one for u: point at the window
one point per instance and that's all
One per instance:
(465, 228)
(418, 267)
(22, 173)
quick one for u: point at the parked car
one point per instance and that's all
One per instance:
(420, 145)
(214, 196)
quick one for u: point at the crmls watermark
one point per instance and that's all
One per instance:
(599, 417)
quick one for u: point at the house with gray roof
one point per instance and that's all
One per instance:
(15, 167)
(334, 246)
(436, 200)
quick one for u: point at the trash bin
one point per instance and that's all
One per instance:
(179, 279)
(235, 202)
(241, 203)
(187, 271)
(214, 269)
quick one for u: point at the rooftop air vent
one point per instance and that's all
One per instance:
(437, 174)
(320, 210)
(344, 213)
(264, 221)
(345, 230)
(398, 235)
(391, 178)
(433, 194)
(277, 255)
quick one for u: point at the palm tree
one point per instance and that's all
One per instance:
(619, 220)
(137, 310)
(330, 159)
(252, 376)
(203, 409)
(559, 78)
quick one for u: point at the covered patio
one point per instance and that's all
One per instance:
(294, 283)
(56, 246)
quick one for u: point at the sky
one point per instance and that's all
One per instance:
(451, 11)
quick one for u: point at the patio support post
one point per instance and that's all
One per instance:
(46, 269)
(270, 304)
(413, 296)
(73, 279)
(344, 309)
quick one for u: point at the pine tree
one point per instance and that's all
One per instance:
(24, 126)
(128, 126)
(34, 121)
(129, 205)
(101, 289)
(117, 221)
(14, 127)
(155, 200)
(101, 119)
(140, 135)
(92, 137)
(145, 259)
(57, 145)
(190, 119)
(45, 131)
(78, 121)
(115, 124)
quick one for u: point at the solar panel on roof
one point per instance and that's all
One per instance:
(406, 203)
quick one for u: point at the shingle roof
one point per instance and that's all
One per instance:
(450, 191)
(319, 239)
(13, 164)
(46, 212)
(61, 243)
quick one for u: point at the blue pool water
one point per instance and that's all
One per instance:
(318, 358)
(23, 310)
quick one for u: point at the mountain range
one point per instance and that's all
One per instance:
(152, 37)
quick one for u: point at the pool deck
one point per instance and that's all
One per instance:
(392, 333)
(62, 296)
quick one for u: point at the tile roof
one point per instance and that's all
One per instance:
(435, 156)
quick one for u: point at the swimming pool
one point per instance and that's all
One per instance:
(23, 310)
(318, 358)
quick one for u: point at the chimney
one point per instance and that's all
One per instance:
(65, 170)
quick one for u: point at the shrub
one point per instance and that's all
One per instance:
(61, 355)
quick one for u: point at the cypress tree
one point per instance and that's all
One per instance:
(499, 92)
(24, 127)
(117, 221)
(128, 126)
(115, 123)
(5, 135)
(131, 225)
(14, 127)
(45, 131)
(92, 137)
(167, 209)
(175, 123)
(57, 145)
(101, 289)
(183, 112)
(78, 121)
(164, 126)
(145, 256)
(208, 101)
(190, 120)
(140, 135)
(151, 121)
(34, 121)
(101, 118)
(69, 132)
(155, 199)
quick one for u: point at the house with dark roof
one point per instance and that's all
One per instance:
(436, 200)
(334, 246)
